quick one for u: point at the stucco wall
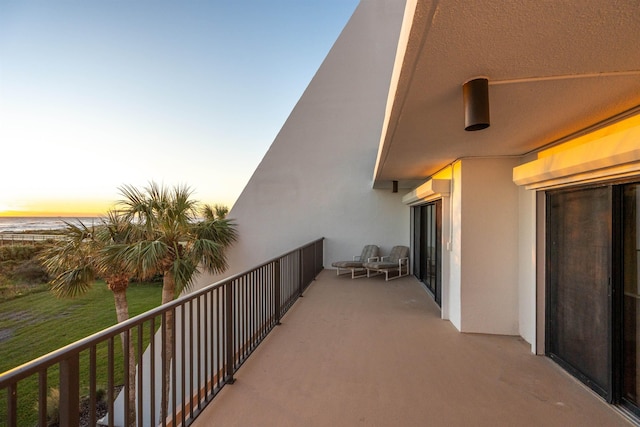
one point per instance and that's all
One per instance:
(489, 246)
(455, 248)
(527, 266)
(316, 178)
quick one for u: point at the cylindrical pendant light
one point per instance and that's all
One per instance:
(475, 94)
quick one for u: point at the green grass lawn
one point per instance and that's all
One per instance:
(36, 324)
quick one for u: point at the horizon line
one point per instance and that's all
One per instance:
(40, 214)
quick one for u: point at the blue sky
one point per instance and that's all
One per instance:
(97, 94)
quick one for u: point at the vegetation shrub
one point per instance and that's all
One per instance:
(7, 266)
(19, 252)
(21, 271)
(53, 407)
(31, 272)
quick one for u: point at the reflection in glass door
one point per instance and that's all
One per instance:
(427, 251)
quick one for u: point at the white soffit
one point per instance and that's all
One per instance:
(403, 42)
(555, 68)
(430, 190)
(613, 156)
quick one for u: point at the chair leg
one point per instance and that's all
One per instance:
(359, 276)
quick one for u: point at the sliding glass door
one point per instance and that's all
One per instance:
(593, 288)
(630, 249)
(579, 226)
(427, 250)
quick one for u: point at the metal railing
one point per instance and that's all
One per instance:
(215, 331)
(23, 238)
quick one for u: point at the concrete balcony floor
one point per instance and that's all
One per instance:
(372, 353)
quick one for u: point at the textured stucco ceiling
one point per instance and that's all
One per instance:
(555, 68)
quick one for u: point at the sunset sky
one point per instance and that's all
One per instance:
(98, 94)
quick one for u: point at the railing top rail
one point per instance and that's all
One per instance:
(55, 356)
(30, 236)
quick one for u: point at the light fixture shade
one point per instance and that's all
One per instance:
(394, 188)
(475, 95)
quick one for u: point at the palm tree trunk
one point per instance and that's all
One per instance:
(168, 294)
(122, 314)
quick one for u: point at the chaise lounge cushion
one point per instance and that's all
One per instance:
(398, 259)
(369, 253)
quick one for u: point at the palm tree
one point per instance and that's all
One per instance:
(215, 211)
(76, 261)
(178, 237)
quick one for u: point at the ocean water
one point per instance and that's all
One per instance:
(20, 224)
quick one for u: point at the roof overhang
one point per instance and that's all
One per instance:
(554, 69)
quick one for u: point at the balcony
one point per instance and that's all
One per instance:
(249, 352)
(376, 353)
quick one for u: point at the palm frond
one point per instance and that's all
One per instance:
(74, 250)
(183, 270)
(136, 207)
(73, 282)
(208, 213)
(213, 212)
(223, 231)
(153, 256)
(210, 254)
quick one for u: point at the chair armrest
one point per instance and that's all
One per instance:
(357, 257)
(373, 258)
(386, 256)
(401, 261)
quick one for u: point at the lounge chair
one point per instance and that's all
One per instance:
(396, 261)
(369, 253)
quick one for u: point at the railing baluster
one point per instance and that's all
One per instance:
(126, 368)
(174, 368)
(139, 400)
(240, 318)
(92, 385)
(12, 405)
(213, 339)
(199, 352)
(245, 320)
(192, 358)
(265, 279)
(152, 371)
(229, 334)
(208, 337)
(110, 381)
(303, 269)
(164, 401)
(220, 334)
(184, 361)
(42, 397)
(252, 317)
(70, 390)
(267, 316)
(276, 288)
(259, 286)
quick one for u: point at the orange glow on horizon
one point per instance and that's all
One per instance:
(57, 208)
(65, 208)
(45, 214)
